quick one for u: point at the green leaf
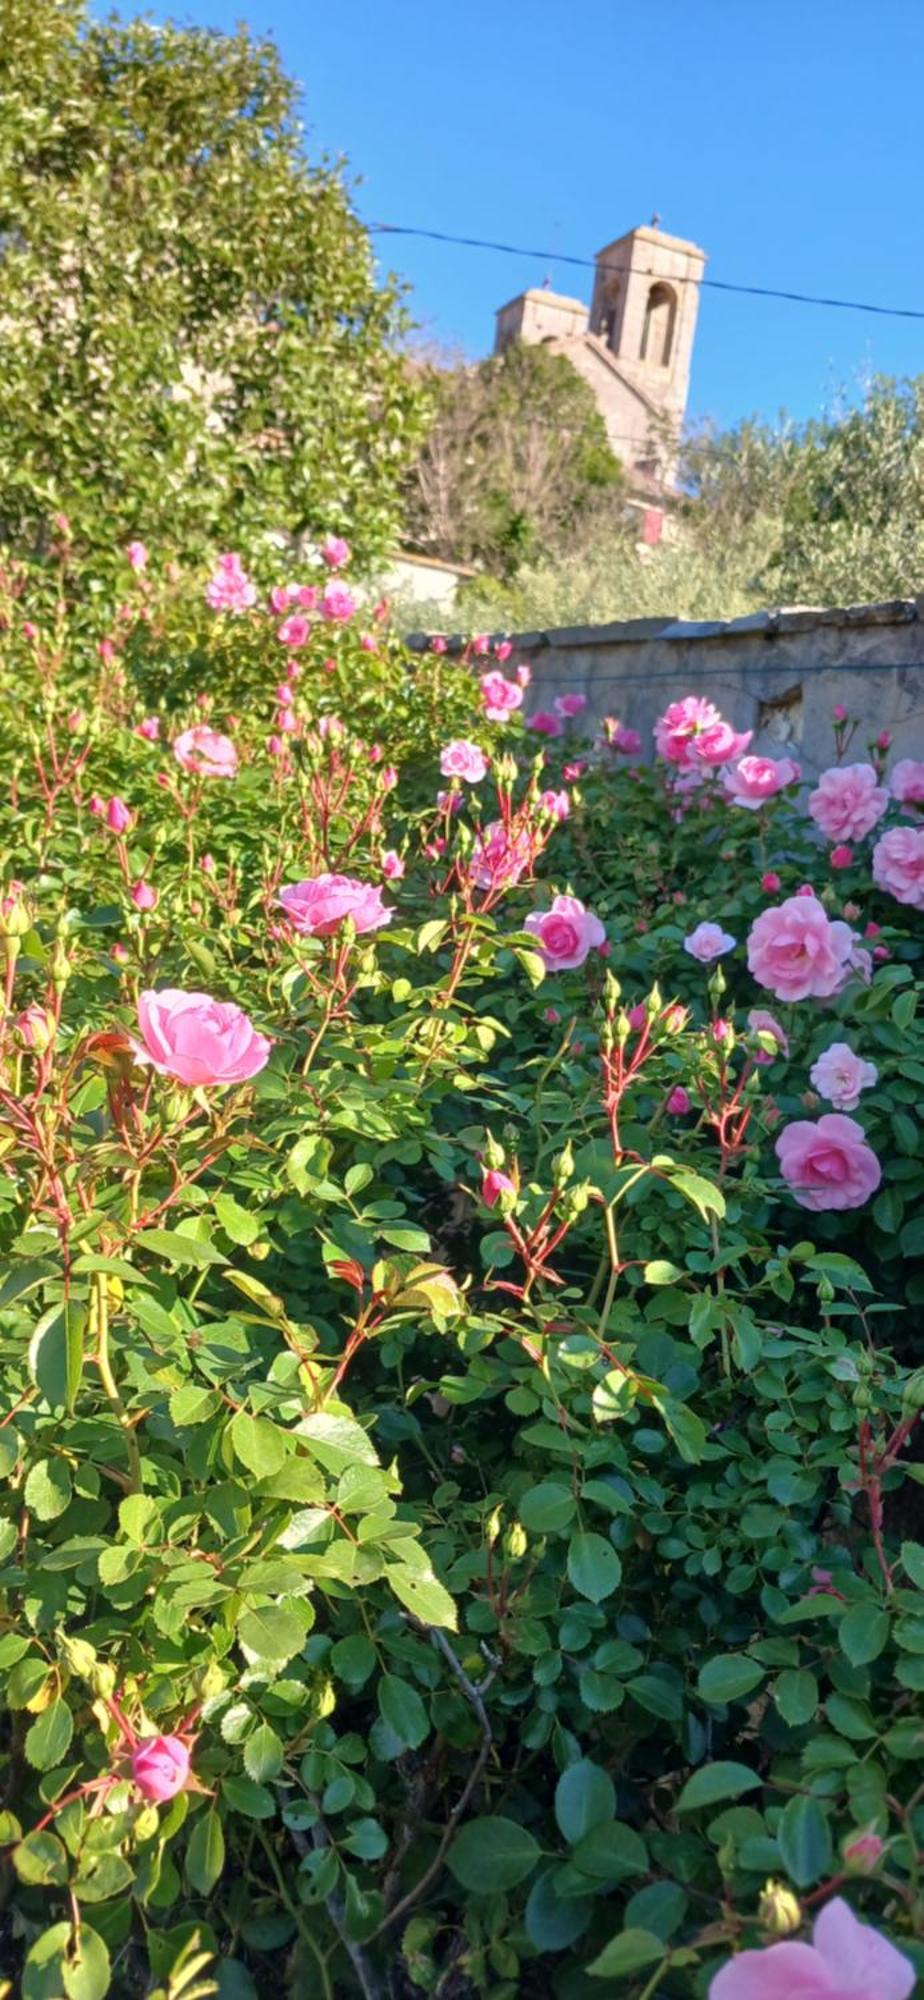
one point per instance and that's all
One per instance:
(245, 1796)
(48, 1740)
(491, 1855)
(701, 1193)
(274, 1632)
(714, 1782)
(594, 1567)
(48, 1489)
(65, 1966)
(179, 1248)
(422, 1594)
(804, 1840)
(660, 1272)
(610, 1852)
(401, 1708)
(796, 1696)
(630, 1952)
(863, 1633)
(533, 966)
(913, 1562)
(728, 1677)
(547, 1509)
(554, 1922)
(585, 1797)
(41, 1860)
(238, 1223)
(56, 1355)
(193, 1405)
(353, 1659)
(258, 1443)
(139, 1519)
(337, 1441)
(263, 1754)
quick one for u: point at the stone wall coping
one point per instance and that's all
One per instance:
(771, 623)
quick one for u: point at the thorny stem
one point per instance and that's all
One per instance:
(104, 1364)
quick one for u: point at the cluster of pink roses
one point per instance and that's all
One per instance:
(692, 732)
(500, 696)
(230, 588)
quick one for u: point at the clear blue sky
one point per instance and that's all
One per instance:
(784, 136)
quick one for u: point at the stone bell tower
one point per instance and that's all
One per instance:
(644, 308)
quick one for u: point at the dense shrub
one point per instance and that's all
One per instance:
(460, 1527)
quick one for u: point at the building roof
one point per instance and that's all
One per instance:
(647, 235)
(542, 292)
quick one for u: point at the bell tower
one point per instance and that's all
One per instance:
(644, 308)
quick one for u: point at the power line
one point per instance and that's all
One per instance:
(592, 263)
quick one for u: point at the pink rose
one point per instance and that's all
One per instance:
(500, 696)
(545, 723)
(756, 779)
(839, 1075)
(197, 1039)
(36, 1028)
(828, 1164)
(707, 942)
(493, 1185)
(137, 555)
(160, 1767)
(762, 1023)
(839, 712)
(499, 858)
(481, 643)
(719, 743)
(503, 650)
(294, 630)
(565, 933)
(281, 596)
(841, 856)
(335, 552)
(205, 752)
(678, 1102)
(337, 603)
(230, 588)
(307, 596)
(450, 802)
(692, 730)
(847, 801)
(626, 740)
(524, 674)
(770, 882)
(439, 644)
(143, 896)
(570, 704)
(149, 728)
(392, 866)
(462, 759)
(118, 817)
(846, 1960)
(898, 865)
(907, 782)
(556, 803)
(797, 952)
(319, 906)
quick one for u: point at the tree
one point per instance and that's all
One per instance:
(515, 463)
(193, 346)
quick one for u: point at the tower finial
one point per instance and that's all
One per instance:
(655, 220)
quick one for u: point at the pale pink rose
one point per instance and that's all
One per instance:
(318, 906)
(137, 555)
(493, 1185)
(846, 1960)
(118, 817)
(566, 933)
(335, 552)
(556, 803)
(572, 772)
(570, 704)
(392, 866)
(285, 695)
(524, 674)
(337, 603)
(839, 1075)
(719, 743)
(462, 759)
(678, 1102)
(762, 1023)
(707, 942)
(144, 896)
(898, 865)
(907, 782)
(160, 1767)
(230, 588)
(847, 801)
(545, 723)
(828, 1164)
(149, 728)
(481, 644)
(797, 952)
(197, 1039)
(756, 779)
(307, 596)
(500, 696)
(499, 858)
(205, 752)
(294, 630)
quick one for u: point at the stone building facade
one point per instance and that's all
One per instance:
(633, 346)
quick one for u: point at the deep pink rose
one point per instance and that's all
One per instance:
(230, 588)
(566, 933)
(499, 858)
(828, 1164)
(545, 723)
(898, 865)
(707, 942)
(337, 603)
(839, 1075)
(197, 1039)
(626, 740)
(319, 906)
(392, 866)
(503, 649)
(205, 752)
(294, 631)
(907, 782)
(678, 1102)
(500, 696)
(841, 856)
(797, 952)
(281, 596)
(439, 643)
(847, 801)
(462, 759)
(762, 1023)
(335, 552)
(144, 896)
(118, 817)
(754, 780)
(493, 1185)
(570, 704)
(160, 1767)
(692, 731)
(846, 1960)
(770, 882)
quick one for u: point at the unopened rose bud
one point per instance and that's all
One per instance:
(839, 712)
(492, 1526)
(913, 1392)
(118, 817)
(15, 915)
(678, 1102)
(563, 1166)
(770, 882)
(35, 1029)
(863, 1852)
(841, 856)
(778, 1910)
(61, 967)
(144, 896)
(515, 1542)
(884, 739)
(498, 1191)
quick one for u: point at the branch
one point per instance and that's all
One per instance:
(336, 1910)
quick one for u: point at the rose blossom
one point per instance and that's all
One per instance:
(839, 1075)
(556, 803)
(392, 866)
(524, 674)
(294, 630)
(281, 596)
(907, 782)
(754, 780)
(898, 865)
(719, 743)
(137, 555)
(160, 1767)
(462, 759)
(500, 696)
(318, 906)
(847, 801)
(626, 740)
(693, 729)
(439, 643)
(565, 933)
(846, 1960)
(708, 941)
(144, 896)
(503, 649)
(118, 817)
(205, 752)
(828, 1164)
(149, 728)
(796, 951)
(770, 882)
(545, 723)
(841, 856)
(679, 1101)
(762, 1023)
(197, 1039)
(230, 588)
(337, 603)
(499, 858)
(450, 802)
(335, 552)
(493, 1185)
(570, 704)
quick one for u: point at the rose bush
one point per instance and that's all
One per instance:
(460, 1525)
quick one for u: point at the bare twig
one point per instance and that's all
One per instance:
(336, 1910)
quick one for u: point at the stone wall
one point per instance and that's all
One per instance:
(779, 673)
